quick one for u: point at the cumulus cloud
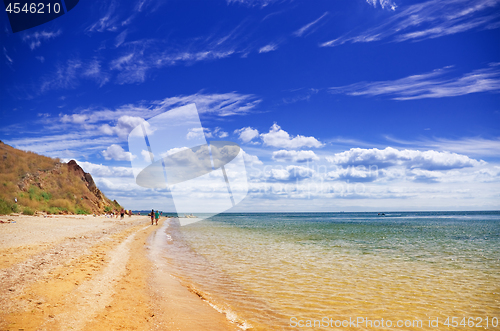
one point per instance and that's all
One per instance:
(147, 156)
(427, 160)
(173, 151)
(251, 159)
(276, 137)
(291, 172)
(353, 174)
(295, 156)
(247, 134)
(124, 125)
(116, 152)
(100, 170)
(216, 133)
(195, 133)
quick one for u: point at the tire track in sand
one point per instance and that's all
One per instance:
(93, 295)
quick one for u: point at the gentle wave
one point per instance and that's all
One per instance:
(263, 269)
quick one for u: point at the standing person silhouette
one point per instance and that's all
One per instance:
(152, 216)
(157, 216)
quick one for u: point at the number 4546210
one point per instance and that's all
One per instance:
(477, 322)
(34, 8)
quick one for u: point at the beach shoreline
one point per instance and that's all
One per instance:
(94, 273)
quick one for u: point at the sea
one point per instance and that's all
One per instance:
(344, 271)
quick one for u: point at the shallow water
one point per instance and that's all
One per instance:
(269, 271)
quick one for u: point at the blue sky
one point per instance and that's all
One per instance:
(315, 92)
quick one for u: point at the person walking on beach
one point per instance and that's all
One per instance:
(157, 216)
(152, 216)
(122, 213)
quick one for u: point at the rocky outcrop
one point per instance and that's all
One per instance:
(98, 197)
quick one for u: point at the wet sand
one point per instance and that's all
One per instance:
(94, 273)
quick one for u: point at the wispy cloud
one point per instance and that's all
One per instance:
(35, 39)
(142, 56)
(308, 27)
(220, 104)
(435, 84)
(94, 130)
(268, 48)
(385, 4)
(121, 38)
(431, 19)
(69, 74)
(9, 59)
(65, 76)
(253, 3)
(108, 22)
(476, 146)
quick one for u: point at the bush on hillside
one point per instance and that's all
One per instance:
(28, 211)
(6, 208)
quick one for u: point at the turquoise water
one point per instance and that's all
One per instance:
(265, 269)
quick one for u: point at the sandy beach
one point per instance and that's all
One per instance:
(94, 273)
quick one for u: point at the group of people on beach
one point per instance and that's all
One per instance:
(155, 215)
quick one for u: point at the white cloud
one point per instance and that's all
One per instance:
(429, 85)
(35, 39)
(291, 172)
(223, 104)
(116, 152)
(276, 137)
(491, 172)
(65, 76)
(219, 133)
(108, 22)
(268, 48)
(125, 124)
(300, 32)
(198, 132)
(427, 160)
(468, 145)
(75, 118)
(93, 70)
(173, 151)
(353, 174)
(195, 133)
(147, 156)
(252, 3)
(247, 134)
(95, 129)
(251, 159)
(383, 3)
(105, 171)
(10, 61)
(430, 19)
(121, 38)
(295, 156)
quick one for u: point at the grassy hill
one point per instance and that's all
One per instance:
(41, 183)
